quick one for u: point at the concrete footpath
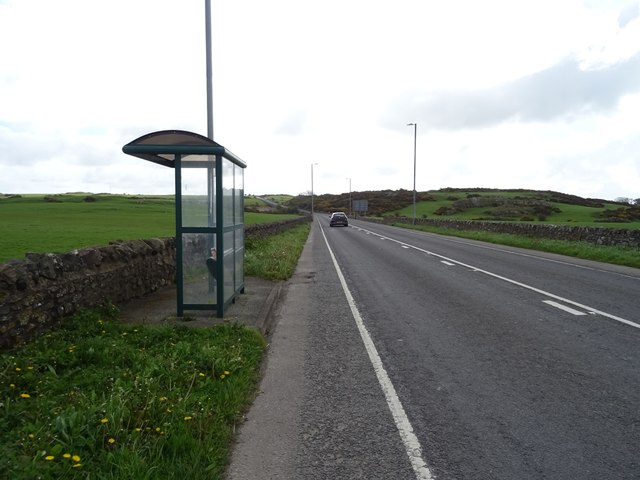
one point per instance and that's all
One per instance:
(253, 308)
(266, 441)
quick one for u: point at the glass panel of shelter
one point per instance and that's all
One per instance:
(199, 250)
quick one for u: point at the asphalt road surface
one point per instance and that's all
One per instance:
(405, 355)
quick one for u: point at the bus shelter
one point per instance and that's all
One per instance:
(209, 193)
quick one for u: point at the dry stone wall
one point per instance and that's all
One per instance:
(36, 293)
(595, 235)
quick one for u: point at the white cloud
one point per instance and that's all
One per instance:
(563, 90)
(525, 94)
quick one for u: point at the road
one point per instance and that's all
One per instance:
(400, 354)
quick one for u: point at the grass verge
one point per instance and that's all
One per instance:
(101, 399)
(617, 255)
(275, 257)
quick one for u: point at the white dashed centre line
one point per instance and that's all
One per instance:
(592, 311)
(570, 310)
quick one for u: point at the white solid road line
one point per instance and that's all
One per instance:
(520, 284)
(409, 439)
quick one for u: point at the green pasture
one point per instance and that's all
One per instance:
(577, 215)
(253, 202)
(278, 198)
(62, 223)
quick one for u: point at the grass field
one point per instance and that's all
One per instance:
(278, 198)
(66, 222)
(254, 201)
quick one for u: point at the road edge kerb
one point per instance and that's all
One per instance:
(266, 319)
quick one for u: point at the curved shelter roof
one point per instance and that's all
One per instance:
(163, 146)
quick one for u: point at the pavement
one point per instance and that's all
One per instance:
(253, 308)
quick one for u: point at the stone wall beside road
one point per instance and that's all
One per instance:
(38, 292)
(594, 235)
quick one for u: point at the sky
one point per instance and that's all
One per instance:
(540, 94)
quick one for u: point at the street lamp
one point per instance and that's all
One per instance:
(415, 141)
(207, 27)
(312, 189)
(349, 196)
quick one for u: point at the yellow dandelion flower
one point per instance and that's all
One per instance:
(138, 429)
(187, 418)
(169, 410)
(49, 458)
(25, 395)
(162, 399)
(66, 455)
(29, 368)
(104, 420)
(227, 372)
(111, 440)
(222, 376)
(18, 369)
(201, 374)
(158, 429)
(77, 465)
(76, 458)
(12, 385)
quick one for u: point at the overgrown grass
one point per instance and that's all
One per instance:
(252, 218)
(98, 399)
(602, 253)
(275, 257)
(65, 222)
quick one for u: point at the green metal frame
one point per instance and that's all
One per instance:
(172, 155)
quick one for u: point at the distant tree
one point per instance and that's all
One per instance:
(628, 200)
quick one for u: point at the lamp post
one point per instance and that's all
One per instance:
(349, 196)
(207, 25)
(415, 141)
(312, 189)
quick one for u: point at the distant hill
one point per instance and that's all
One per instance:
(516, 205)
(268, 204)
(379, 202)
